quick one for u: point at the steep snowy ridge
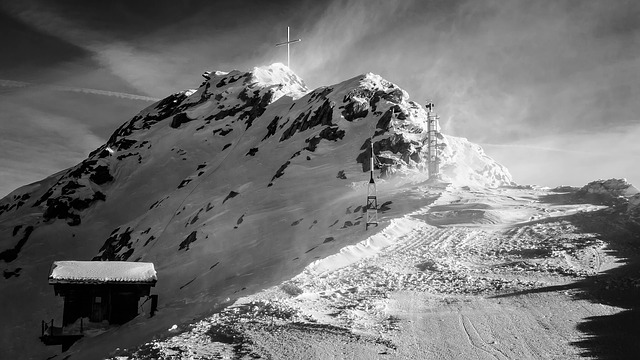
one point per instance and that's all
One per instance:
(228, 188)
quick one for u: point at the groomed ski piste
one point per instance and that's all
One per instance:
(500, 273)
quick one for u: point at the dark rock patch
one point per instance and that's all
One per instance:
(69, 188)
(184, 183)
(328, 240)
(16, 229)
(195, 218)
(115, 244)
(101, 175)
(124, 156)
(65, 207)
(355, 110)
(396, 144)
(256, 105)
(296, 222)
(209, 207)
(252, 152)
(280, 172)
(8, 273)
(157, 203)
(11, 254)
(225, 147)
(150, 239)
(271, 128)
(222, 132)
(231, 195)
(332, 133)
(341, 175)
(310, 250)
(335, 222)
(15, 204)
(322, 116)
(124, 144)
(187, 241)
(347, 224)
(385, 206)
(214, 265)
(295, 154)
(164, 108)
(320, 93)
(188, 282)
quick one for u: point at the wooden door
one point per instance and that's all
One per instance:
(98, 308)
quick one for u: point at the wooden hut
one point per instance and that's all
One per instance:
(101, 290)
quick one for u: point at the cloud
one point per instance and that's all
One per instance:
(22, 84)
(37, 144)
(497, 70)
(535, 148)
(572, 159)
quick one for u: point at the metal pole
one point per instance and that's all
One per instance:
(371, 164)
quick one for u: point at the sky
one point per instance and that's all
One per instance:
(550, 89)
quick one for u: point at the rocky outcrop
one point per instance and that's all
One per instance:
(611, 187)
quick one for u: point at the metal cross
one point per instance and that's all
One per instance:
(288, 42)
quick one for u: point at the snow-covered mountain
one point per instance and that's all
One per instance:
(226, 189)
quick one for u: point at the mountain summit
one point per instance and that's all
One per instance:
(226, 189)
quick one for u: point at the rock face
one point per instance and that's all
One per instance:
(215, 177)
(611, 187)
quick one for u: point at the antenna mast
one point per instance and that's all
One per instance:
(432, 138)
(372, 198)
(288, 42)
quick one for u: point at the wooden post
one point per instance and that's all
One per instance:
(154, 305)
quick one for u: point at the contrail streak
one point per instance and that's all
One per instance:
(22, 84)
(531, 147)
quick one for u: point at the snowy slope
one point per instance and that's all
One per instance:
(226, 189)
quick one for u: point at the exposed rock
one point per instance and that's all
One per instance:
(332, 133)
(611, 187)
(113, 247)
(355, 110)
(11, 254)
(231, 195)
(322, 116)
(179, 119)
(184, 245)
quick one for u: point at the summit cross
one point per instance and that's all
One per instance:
(288, 42)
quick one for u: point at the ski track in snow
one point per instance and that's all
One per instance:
(414, 290)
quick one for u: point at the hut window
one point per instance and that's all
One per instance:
(98, 300)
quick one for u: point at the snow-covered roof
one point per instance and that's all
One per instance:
(102, 272)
